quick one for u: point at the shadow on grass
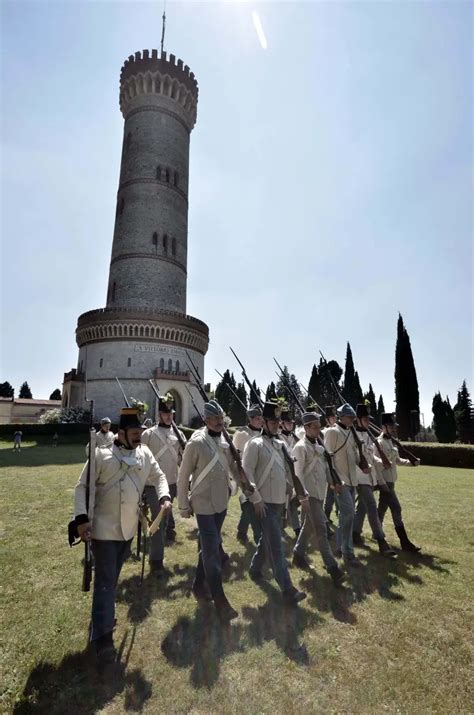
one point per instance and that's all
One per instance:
(202, 642)
(76, 685)
(39, 455)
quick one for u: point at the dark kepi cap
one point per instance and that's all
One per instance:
(362, 410)
(330, 411)
(272, 411)
(129, 418)
(309, 417)
(287, 415)
(388, 418)
(166, 403)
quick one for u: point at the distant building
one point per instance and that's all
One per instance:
(144, 330)
(15, 410)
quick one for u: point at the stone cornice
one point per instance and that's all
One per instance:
(163, 110)
(163, 184)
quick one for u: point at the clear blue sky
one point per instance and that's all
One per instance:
(331, 181)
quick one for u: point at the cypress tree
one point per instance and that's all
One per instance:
(270, 393)
(444, 423)
(328, 393)
(237, 412)
(55, 395)
(222, 394)
(25, 392)
(314, 385)
(463, 415)
(370, 397)
(254, 394)
(407, 395)
(380, 409)
(6, 390)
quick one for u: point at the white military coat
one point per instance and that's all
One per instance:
(166, 449)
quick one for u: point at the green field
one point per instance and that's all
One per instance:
(398, 639)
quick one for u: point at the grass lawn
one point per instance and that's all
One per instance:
(397, 639)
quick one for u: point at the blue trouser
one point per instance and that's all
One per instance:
(157, 541)
(293, 513)
(270, 546)
(389, 500)
(366, 504)
(170, 523)
(346, 503)
(209, 566)
(248, 518)
(109, 557)
(315, 526)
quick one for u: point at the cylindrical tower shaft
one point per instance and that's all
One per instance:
(158, 99)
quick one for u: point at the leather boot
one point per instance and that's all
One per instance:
(300, 562)
(292, 596)
(385, 549)
(338, 576)
(405, 542)
(357, 539)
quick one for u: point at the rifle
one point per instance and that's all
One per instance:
(402, 450)
(87, 568)
(335, 478)
(363, 463)
(175, 429)
(231, 389)
(249, 384)
(247, 487)
(198, 411)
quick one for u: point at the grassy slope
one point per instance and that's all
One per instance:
(397, 640)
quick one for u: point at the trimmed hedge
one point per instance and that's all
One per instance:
(443, 455)
(36, 430)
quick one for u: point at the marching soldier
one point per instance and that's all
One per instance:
(166, 449)
(340, 443)
(312, 469)
(287, 434)
(241, 437)
(365, 488)
(265, 465)
(208, 460)
(388, 499)
(121, 474)
(104, 437)
(331, 418)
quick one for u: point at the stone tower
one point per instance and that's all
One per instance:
(144, 329)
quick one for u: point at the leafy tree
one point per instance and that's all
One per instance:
(6, 390)
(407, 395)
(352, 391)
(254, 394)
(380, 409)
(56, 394)
(314, 386)
(370, 397)
(327, 391)
(222, 394)
(25, 392)
(463, 415)
(237, 411)
(270, 393)
(444, 423)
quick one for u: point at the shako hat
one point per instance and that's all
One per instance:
(287, 415)
(362, 410)
(272, 411)
(129, 418)
(330, 411)
(388, 418)
(166, 403)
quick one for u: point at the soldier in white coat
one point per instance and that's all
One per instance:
(166, 448)
(121, 474)
(365, 488)
(104, 437)
(339, 442)
(241, 437)
(388, 499)
(312, 469)
(208, 462)
(331, 419)
(288, 435)
(265, 465)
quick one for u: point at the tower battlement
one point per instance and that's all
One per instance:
(146, 73)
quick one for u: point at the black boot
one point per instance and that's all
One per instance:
(300, 562)
(357, 539)
(385, 549)
(405, 542)
(105, 649)
(338, 576)
(292, 596)
(201, 592)
(157, 568)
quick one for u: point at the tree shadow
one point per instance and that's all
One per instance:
(77, 684)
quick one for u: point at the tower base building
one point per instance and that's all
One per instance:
(144, 331)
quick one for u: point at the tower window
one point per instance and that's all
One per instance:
(177, 365)
(155, 239)
(158, 173)
(162, 364)
(176, 178)
(170, 365)
(128, 141)
(114, 286)
(129, 362)
(173, 246)
(165, 243)
(121, 206)
(168, 175)
(101, 362)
